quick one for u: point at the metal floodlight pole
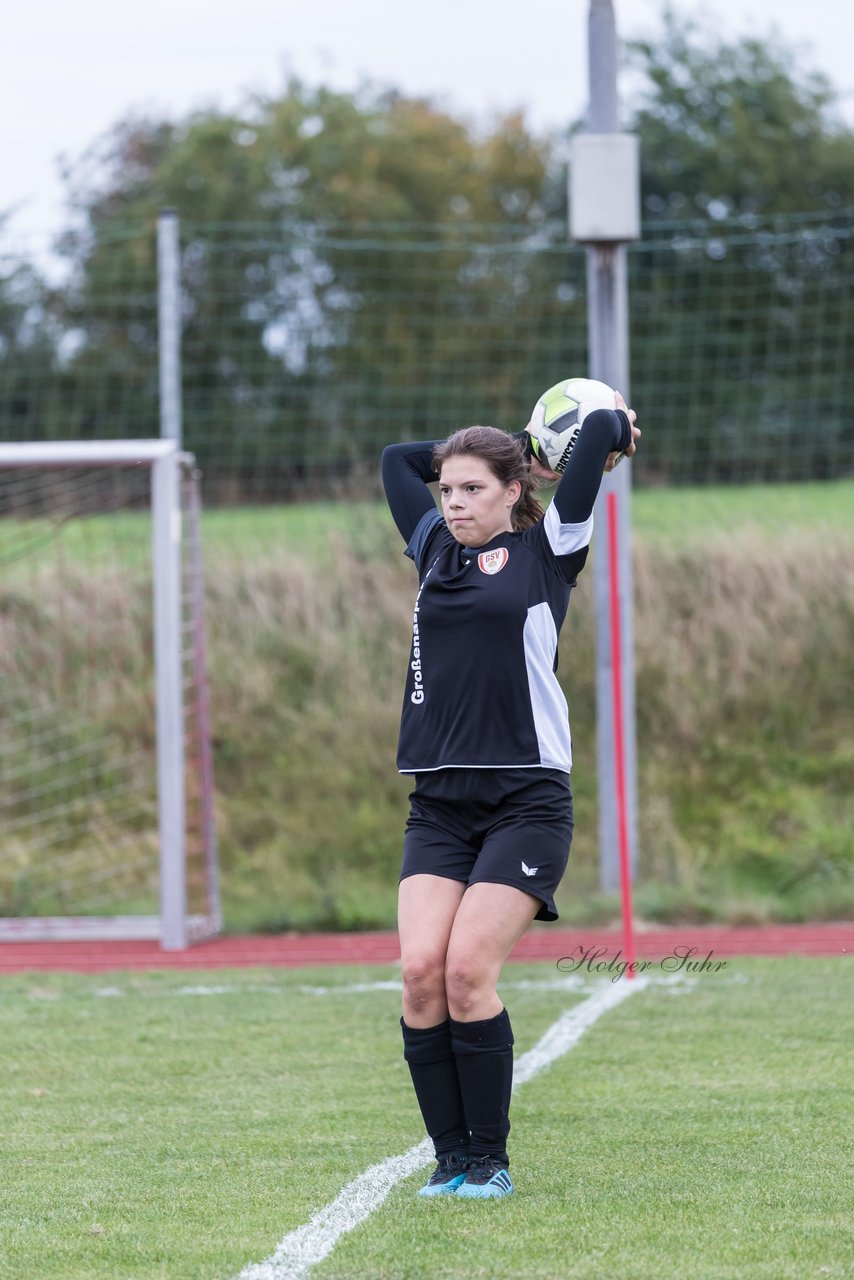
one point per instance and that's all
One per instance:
(605, 215)
(169, 323)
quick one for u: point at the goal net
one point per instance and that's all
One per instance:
(106, 786)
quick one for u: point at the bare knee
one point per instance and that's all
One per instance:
(424, 989)
(469, 986)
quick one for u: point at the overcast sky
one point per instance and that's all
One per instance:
(70, 70)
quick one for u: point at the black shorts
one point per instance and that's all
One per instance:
(494, 826)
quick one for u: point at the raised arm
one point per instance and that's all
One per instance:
(567, 526)
(603, 432)
(407, 469)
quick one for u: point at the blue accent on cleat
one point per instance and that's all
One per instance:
(449, 1174)
(486, 1179)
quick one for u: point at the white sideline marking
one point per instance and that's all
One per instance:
(675, 983)
(569, 982)
(354, 988)
(304, 1247)
(564, 1034)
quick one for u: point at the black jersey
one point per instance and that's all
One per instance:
(481, 689)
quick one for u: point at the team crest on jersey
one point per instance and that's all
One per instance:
(493, 561)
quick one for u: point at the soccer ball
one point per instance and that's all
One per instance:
(558, 415)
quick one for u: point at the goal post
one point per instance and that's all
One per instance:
(106, 780)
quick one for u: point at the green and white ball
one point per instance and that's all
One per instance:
(558, 415)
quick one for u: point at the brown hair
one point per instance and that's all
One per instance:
(506, 460)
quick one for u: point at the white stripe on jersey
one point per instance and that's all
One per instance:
(566, 538)
(551, 715)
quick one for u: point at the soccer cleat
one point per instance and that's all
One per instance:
(450, 1173)
(486, 1179)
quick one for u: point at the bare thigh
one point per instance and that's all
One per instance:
(489, 922)
(426, 908)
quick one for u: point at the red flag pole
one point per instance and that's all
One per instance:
(619, 735)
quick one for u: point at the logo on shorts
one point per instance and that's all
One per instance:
(493, 561)
(529, 871)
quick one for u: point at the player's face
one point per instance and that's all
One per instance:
(476, 505)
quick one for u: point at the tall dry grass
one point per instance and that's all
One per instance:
(78, 812)
(746, 737)
(745, 654)
(745, 683)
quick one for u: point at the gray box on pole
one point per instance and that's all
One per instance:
(604, 187)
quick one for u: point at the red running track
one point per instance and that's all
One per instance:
(293, 950)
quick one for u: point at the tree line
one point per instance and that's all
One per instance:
(357, 265)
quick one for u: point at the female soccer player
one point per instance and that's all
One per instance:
(485, 732)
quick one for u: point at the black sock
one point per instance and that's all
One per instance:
(433, 1068)
(484, 1054)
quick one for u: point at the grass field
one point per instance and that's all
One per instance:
(684, 516)
(165, 1126)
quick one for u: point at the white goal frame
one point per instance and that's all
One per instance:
(173, 927)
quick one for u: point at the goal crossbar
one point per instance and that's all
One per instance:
(81, 453)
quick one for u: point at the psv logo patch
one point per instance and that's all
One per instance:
(493, 561)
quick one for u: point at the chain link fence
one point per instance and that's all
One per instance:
(303, 355)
